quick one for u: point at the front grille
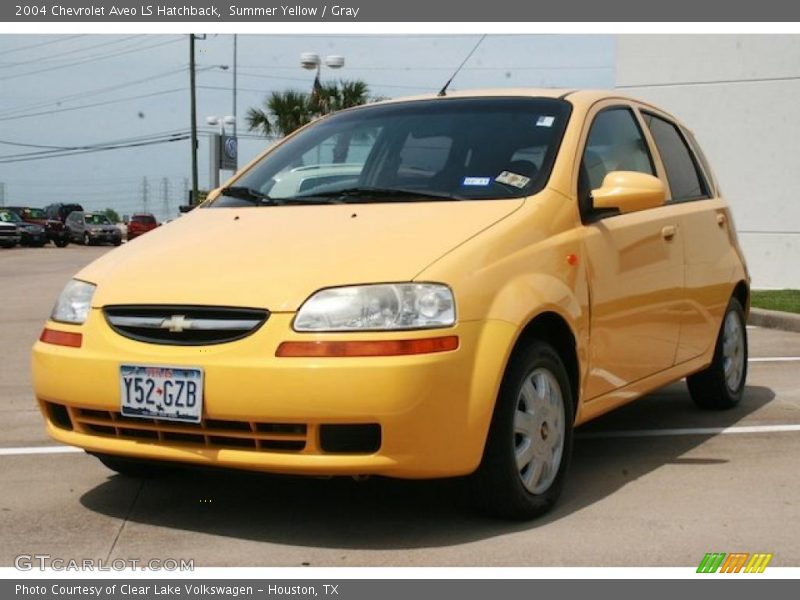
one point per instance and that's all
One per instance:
(210, 433)
(184, 325)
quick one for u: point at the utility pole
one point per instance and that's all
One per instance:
(193, 110)
(2, 194)
(145, 193)
(165, 196)
(235, 39)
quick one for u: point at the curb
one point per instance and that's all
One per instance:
(774, 319)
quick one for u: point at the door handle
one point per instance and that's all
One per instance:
(668, 232)
(721, 219)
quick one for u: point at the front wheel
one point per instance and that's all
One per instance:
(61, 243)
(721, 384)
(529, 447)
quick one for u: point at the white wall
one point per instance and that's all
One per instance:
(750, 130)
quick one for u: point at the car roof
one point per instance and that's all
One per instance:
(579, 98)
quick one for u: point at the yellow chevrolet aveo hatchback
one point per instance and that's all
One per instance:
(421, 288)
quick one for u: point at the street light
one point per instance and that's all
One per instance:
(311, 61)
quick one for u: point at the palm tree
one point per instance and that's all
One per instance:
(283, 112)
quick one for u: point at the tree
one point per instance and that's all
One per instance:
(112, 215)
(284, 112)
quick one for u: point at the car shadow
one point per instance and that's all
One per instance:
(393, 514)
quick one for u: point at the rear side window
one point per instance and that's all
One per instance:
(144, 219)
(685, 180)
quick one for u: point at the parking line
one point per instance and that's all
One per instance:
(774, 359)
(689, 431)
(38, 450)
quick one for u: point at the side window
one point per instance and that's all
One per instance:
(685, 180)
(615, 143)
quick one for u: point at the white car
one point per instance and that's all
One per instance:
(303, 180)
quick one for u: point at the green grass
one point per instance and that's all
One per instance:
(785, 300)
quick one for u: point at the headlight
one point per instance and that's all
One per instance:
(74, 302)
(378, 307)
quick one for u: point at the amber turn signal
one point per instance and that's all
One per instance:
(61, 338)
(367, 348)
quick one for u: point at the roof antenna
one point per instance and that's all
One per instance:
(443, 91)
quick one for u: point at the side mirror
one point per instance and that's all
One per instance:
(628, 191)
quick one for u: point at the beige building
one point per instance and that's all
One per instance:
(740, 94)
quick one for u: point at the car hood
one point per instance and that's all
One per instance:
(275, 257)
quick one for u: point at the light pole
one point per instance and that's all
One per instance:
(218, 154)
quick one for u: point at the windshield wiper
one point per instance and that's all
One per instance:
(369, 194)
(245, 193)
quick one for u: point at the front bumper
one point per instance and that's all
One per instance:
(33, 239)
(433, 409)
(105, 236)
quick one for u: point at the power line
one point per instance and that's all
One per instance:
(90, 59)
(93, 105)
(5, 160)
(40, 44)
(12, 111)
(60, 56)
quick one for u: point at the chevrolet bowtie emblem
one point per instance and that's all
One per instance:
(176, 323)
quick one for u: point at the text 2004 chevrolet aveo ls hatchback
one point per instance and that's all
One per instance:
(448, 287)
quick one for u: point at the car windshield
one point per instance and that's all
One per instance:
(97, 220)
(443, 149)
(35, 213)
(9, 217)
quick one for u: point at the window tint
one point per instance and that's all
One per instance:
(685, 181)
(698, 152)
(614, 144)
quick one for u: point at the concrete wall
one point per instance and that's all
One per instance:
(740, 94)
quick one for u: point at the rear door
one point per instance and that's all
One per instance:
(707, 235)
(634, 261)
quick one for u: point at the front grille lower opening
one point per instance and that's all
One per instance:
(59, 415)
(350, 439)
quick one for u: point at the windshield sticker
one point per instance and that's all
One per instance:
(545, 121)
(509, 178)
(479, 181)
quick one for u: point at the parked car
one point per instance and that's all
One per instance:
(60, 211)
(30, 233)
(9, 230)
(54, 229)
(508, 265)
(141, 223)
(92, 228)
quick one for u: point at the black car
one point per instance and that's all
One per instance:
(60, 211)
(30, 233)
(54, 229)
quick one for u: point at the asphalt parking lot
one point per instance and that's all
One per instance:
(656, 483)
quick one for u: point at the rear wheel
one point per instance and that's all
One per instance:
(721, 385)
(529, 446)
(130, 467)
(61, 243)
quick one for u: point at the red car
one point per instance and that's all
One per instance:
(140, 224)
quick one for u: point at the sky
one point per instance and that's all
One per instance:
(67, 91)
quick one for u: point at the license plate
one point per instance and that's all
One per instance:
(159, 392)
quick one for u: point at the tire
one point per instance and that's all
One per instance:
(61, 243)
(130, 467)
(87, 241)
(117, 242)
(721, 385)
(533, 377)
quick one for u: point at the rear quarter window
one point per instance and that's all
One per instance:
(685, 179)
